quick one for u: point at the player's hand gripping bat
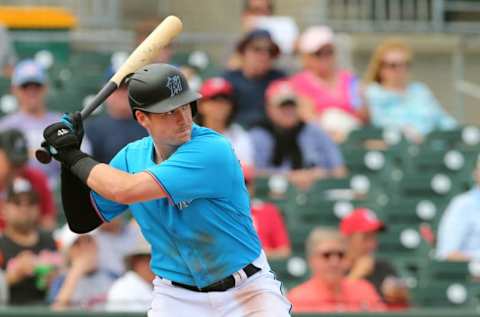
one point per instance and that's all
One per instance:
(141, 56)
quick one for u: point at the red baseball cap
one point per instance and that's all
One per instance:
(280, 91)
(361, 220)
(216, 86)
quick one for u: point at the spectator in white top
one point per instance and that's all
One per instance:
(114, 239)
(216, 111)
(82, 284)
(459, 229)
(133, 291)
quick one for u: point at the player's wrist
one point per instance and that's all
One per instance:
(83, 166)
(71, 156)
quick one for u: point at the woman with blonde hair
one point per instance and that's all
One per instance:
(394, 100)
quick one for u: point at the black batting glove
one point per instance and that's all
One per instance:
(74, 122)
(65, 143)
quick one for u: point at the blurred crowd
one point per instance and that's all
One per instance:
(286, 107)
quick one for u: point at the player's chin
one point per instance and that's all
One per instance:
(183, 137)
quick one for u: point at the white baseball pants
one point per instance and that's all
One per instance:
(260, 295)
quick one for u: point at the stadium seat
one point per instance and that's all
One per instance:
(311, 214)
(419, 184)
(447, 271)
(291, 272)
(405, 211)
(405, 245)
(467, 137)
(4, 86)
(457, 164)
(391, 142)
(443, 294)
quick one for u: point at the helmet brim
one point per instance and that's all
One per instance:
(171, 103)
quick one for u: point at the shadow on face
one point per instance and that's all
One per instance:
(21, 213)
(217, 109)
(284, 116)
(258, 56)
(327, 261)
(169, 129)
(322, 62)
(363, 243)
(394, 67)
(30, 96)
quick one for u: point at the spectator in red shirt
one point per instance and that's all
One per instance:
(13, 163)
(268, 221)
(361, 228)
(329, 289)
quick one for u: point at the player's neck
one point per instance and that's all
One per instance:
(163, 152)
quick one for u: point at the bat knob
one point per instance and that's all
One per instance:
(43, 155)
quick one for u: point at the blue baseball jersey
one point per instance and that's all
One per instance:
(203, 231)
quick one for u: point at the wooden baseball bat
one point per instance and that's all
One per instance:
(145, 53)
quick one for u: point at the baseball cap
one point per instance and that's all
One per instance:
(216, 86)
(255, 35)
(280, 92)
(21, 188)
(361, 220)
(14, 143)
(314, 38)
(28, 71)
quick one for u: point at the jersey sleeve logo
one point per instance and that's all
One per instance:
(174, 83)
(183, 204)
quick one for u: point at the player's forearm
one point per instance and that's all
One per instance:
(109, 182)
(13, 277)
(123, 187)
(62, 300)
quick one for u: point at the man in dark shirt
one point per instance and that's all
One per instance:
(360, 228)
(258, 52)
(26, 253)
(110, 132)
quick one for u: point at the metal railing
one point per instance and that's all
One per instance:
(397, 15)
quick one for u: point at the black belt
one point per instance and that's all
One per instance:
(222, 285)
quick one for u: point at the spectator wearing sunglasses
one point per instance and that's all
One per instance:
(258, 52)
(216, 111)
(395, 101)
(329, 290)
(334, 93)
(361, 228)
(29, 86)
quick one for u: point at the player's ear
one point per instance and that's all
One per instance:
(142, 118)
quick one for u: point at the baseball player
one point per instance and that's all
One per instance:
(184, 186)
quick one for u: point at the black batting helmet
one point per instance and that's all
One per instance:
(159, 88)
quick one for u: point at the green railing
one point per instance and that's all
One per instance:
(42, 312)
